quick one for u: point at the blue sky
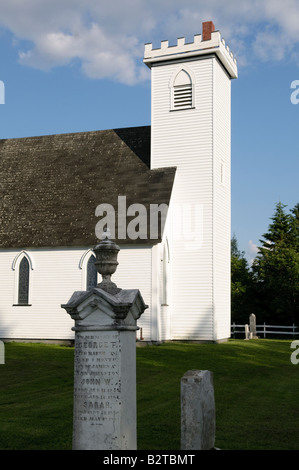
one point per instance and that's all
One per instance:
(72, 66)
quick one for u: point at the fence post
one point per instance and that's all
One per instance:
(264, 329)
(246, 331)
(2, 353)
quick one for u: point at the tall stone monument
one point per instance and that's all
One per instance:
(105, 359)
(252, 326)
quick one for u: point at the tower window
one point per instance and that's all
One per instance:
(182, 91)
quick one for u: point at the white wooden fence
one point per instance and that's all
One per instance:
(264, 330)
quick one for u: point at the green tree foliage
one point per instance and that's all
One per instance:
(276, 268)
(242, 295)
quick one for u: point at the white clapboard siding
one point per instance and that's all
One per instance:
(56, 274)
(222, 201)
(135, 272)
(53, 279)
(185, 139)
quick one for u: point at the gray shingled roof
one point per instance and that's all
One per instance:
(51, 185)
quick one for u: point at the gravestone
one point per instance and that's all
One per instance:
(104, 416)
(197, 411)
(252, 326)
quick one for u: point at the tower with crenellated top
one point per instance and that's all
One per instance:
(191, 129)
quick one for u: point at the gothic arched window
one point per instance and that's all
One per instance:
(91, 273)
(22, 266)
(23, 292)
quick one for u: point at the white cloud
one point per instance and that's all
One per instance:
(99, 56)
(269, 46)
(108, 37)
(251, 251)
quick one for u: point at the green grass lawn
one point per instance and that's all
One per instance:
(256, 394)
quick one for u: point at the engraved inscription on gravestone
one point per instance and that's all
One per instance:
(98, 386)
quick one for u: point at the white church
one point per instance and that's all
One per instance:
(54, 191)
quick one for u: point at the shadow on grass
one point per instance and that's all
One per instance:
(256, 394)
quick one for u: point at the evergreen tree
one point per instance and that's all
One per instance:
(295, 227)
(276, 268)
(242, 297)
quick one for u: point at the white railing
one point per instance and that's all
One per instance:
(263, 330)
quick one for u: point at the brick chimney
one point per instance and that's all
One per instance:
(207, 28)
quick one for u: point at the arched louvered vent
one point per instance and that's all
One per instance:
(182, 91)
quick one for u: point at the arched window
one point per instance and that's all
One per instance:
(182, 90)
(89, 277)
(91, 273)
(22, 265)
(23, 292)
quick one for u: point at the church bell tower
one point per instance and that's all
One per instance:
(191, 130)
